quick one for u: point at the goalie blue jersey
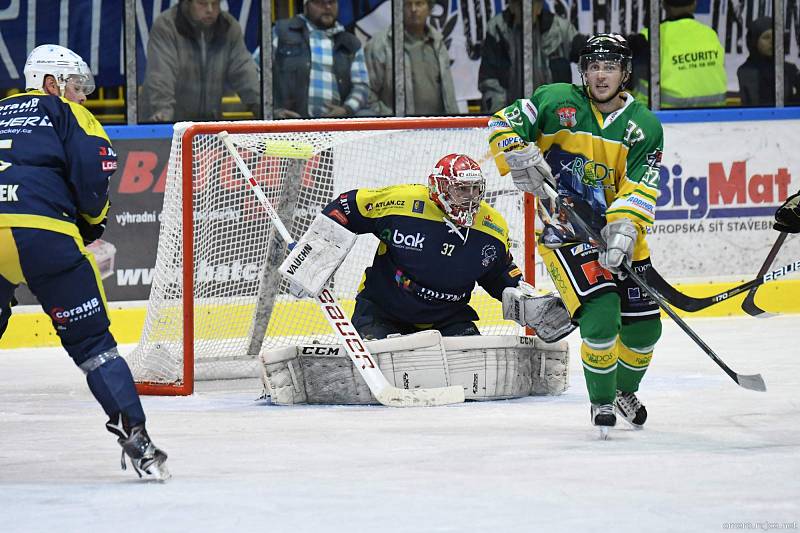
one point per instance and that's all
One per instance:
(424, 270)
(55, 164)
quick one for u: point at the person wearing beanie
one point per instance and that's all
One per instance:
(757, 73)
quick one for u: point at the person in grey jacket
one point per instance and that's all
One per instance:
(556, 43)
(428, 82)
(196, 50)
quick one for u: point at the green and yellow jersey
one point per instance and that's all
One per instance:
(606, 164)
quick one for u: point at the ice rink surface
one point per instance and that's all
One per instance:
(712, 454)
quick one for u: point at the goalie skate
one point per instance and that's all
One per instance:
(631, 409)
(603, 418)
(148, 461)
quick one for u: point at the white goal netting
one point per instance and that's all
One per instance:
(237, 300)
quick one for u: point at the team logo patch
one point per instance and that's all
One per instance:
(339, 217)
(402, 280)
(418, 207)
(489, 253)
(489, 223)
(634, 293)
(566, 116)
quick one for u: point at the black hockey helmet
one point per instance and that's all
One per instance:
(607, 47)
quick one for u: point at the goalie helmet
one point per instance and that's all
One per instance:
(457, 186)
(61, 63)
(610, 47)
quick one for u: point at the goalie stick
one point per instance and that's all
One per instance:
(366, 365)
(752, 382)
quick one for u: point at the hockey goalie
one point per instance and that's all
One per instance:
(436, 242)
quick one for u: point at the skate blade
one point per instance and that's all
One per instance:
(632, 425)
(603, 432)
(158, 473)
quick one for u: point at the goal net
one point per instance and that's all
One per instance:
(217, 298)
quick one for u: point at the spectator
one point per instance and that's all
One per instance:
(319, 68)
(757, 74)
(428, 82)
(692, 60)
(194, 52)
(555, 43)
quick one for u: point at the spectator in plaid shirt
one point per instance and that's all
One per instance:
(319, 68)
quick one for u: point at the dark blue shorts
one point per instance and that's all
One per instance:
(64, 278)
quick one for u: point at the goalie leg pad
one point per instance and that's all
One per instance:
(318, 254)
(488, 367)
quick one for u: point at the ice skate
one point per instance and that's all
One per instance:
(631, 409)
(603, 418)
(148, 461)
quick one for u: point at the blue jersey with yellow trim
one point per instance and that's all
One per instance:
(424, 271)
(55, 163)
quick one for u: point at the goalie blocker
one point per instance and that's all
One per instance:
(317, 256)
(488, 367)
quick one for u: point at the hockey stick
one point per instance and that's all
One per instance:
(753, 382)
(749, 304)
(384, 392)
(692, 303)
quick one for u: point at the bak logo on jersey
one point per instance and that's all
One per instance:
(401, 240)
(297, 261)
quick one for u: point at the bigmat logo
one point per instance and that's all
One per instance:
(729, 190)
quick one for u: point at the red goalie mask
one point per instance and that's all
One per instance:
(457, 186)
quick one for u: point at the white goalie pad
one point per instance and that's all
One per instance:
(488, 367)
(317, 255)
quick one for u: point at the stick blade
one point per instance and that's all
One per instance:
(396, 397)
(753, 382)
(749, 306)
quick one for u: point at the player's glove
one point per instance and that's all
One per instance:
(620, 236)
(90, 232)
(529, 170)
(787, 217)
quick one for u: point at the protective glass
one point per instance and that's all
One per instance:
(606, 62)
(82, 83)
(464, 195)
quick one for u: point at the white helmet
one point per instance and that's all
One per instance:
(61, 63)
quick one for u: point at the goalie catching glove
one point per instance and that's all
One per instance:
(620, 236)
(529, 170)
(317, 256)
(787, 217)
(546, 314)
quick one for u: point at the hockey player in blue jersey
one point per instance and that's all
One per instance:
(436, 242)
(55, 165)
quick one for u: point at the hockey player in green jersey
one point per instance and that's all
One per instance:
(601, 151)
